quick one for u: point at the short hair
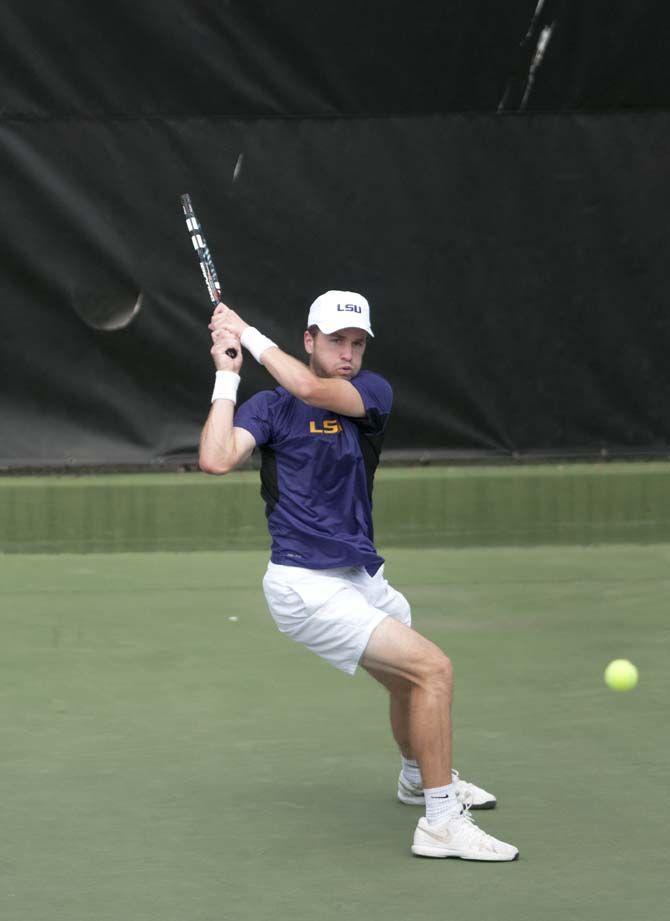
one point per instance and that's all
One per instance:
(313, 330)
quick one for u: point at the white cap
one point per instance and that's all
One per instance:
(338, 310)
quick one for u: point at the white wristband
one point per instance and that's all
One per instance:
(225, 386)
(256, 342)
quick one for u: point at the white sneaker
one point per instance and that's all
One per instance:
(459, 837)
(468, 794)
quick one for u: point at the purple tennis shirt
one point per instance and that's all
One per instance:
(317, 471)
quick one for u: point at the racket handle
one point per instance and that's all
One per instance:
(231, 353)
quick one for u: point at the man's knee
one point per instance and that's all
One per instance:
(438, 673)
(398, 652)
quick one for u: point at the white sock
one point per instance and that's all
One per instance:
(441, 803)
(410, 771)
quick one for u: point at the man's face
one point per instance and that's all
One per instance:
(338, 354)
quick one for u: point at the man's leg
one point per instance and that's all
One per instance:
(400, 654)
(399, 696)
(410, 783)
(419, 678)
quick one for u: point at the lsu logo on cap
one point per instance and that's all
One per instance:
(350, 308)
(330, 427)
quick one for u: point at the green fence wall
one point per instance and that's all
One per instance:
(434, 506)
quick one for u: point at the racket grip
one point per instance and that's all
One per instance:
(231, 353)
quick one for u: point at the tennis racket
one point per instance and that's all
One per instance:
(204, 258)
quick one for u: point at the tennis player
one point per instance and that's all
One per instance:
(320, 433)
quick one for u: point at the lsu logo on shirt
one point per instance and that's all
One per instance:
(330, 427)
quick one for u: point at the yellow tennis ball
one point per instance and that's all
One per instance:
(621, 675)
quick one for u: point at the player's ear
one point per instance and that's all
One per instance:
(309, 342)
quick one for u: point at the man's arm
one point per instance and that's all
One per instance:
(339, 396)
(322, 392)
(223, 447)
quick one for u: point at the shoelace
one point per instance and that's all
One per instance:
(464, 793)
(464, 790)
(473, 832)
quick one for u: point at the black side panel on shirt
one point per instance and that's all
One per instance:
(371, 436)
(269, 483)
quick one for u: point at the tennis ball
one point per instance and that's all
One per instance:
(621, 675)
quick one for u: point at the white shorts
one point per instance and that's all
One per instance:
(332, 611)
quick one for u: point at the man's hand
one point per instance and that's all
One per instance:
(222, 340)
(226, 320)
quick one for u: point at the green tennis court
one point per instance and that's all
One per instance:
(164, 761)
